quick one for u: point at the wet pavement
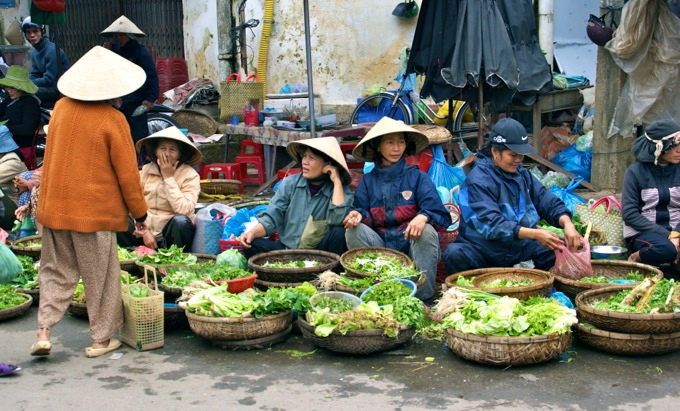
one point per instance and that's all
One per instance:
(191, 373)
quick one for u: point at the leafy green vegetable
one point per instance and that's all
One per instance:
(233, 258)
(292, 264)
(411, 311)
(335, 305)
(124, 255)
(634, 276)
(172, 255)
(139, 291)
(386, 292)
(181, 277)
(655, 303)
(377, 264)
(9, 297)
(464, 282)
(504, 282)
(28, 278)
(356, 283)
(364, 316)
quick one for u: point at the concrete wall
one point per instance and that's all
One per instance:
(21, 9)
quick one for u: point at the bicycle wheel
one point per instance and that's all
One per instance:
(373, 108)
(157, 122)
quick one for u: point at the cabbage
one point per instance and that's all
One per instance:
(233, 258)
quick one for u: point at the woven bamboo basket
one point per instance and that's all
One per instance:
(129, 265)
(242, 328)
(200, 258)
(604, 268)
(78, 309)
(292, 275)
(506, 271)
(22, 246)
(254, 343)
(174, 317)
(451, 280)
(196, 122)
(359, 342)
(219, 186)
(17, 310)
(264, 285)
(347, 258)
(627, 344)
(169, 290)
(634, 323)
(504, 351)
(351, 290)
(33, 292)
(541, 283)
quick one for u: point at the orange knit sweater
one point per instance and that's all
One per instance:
(90, 178)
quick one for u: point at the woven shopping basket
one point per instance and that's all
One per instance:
(234, 94)
(608, 221)
(143, 318)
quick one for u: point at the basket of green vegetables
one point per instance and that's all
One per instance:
(292, 266)
(176, 278)
(627, 343)
(13, 303)
(520, 283)
(172, 256)
(378, 261)
(650, 307)
(606, 273)
(31, 246)
(127, 259)
(27, 281)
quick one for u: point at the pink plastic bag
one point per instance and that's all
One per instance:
(573, 265)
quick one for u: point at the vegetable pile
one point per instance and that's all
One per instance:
(653, 295)
(180, 277)
(634, 276)
(218, 302)
(292, 264)
(386, 292)
(581, 227)
(9, 297)
(480, 313)
(334, 305)
(364, 316)
(504, 282)
(378, 265)
(173, 255)
(233, 258)
(28, 278)
(124, 255)
(32, 244)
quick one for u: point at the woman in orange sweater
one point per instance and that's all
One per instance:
(89, 186)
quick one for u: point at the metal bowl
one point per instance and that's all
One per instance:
(608, 252)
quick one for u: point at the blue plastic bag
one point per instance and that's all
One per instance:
(368, 114)
(577, 162)
(236, 224)
(562, 299)
(567, 195)
(442, 173)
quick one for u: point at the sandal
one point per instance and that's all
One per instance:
(91, 352)
(41, 348)
(8, 369)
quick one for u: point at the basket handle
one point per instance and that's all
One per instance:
(252, 79)
(148, 268)
(607, 201)
(233, 76)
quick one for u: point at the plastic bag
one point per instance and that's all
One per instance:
(208, 223)
(536, 172)
(585, 142)
(577, 162)
(573, 265)
(236, 225)
(562, 299)
(554, 140)
(10, 267)
(567, 195)
(554, 179)
(442, 173)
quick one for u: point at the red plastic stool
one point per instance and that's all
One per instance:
(281, 174)
(231, 171)
(251, 153)
(347, 151)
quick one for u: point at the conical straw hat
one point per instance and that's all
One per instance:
(365, 152)
(327, 145)
(435, 134)
(122, 25)
(101, 75)
(173, 133)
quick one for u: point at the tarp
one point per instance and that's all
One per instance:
(462, 44)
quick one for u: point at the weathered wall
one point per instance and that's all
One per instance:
(354, 43)
(21, 9)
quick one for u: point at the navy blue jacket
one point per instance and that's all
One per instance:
(388, 198)
(495, 204)
(44, 63)
(139, 55)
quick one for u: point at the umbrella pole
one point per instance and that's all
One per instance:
(480, 117)
(310, 86)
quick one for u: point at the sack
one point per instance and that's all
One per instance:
(143, 318)
(567, 194)
(50, 5)
(442, 173)
(573, 265)
(605, 218)
(235, 94)
(209, 223)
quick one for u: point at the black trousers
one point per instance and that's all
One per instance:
(333, 241)
(179, 230)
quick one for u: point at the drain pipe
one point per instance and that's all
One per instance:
(268, 19)
(546, 14)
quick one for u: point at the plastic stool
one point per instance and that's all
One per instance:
(231, 171)
(255, 158)
(347, 151)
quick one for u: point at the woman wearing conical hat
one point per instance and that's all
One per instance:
(124, 34)
(396, 205)
(171, 187)
(308, 208)
(90, 185)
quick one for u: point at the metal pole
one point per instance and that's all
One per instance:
(310, 85)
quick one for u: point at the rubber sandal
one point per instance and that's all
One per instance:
(8, 369)
(91, 352)
(41, 348)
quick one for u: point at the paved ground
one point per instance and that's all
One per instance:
(190, 373)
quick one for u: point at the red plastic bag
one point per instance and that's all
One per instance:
(573, 265)
(50, 5)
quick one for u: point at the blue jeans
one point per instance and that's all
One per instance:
(654, 249)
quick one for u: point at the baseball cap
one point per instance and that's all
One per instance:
(511, 134)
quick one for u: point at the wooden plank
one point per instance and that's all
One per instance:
(555, 167)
